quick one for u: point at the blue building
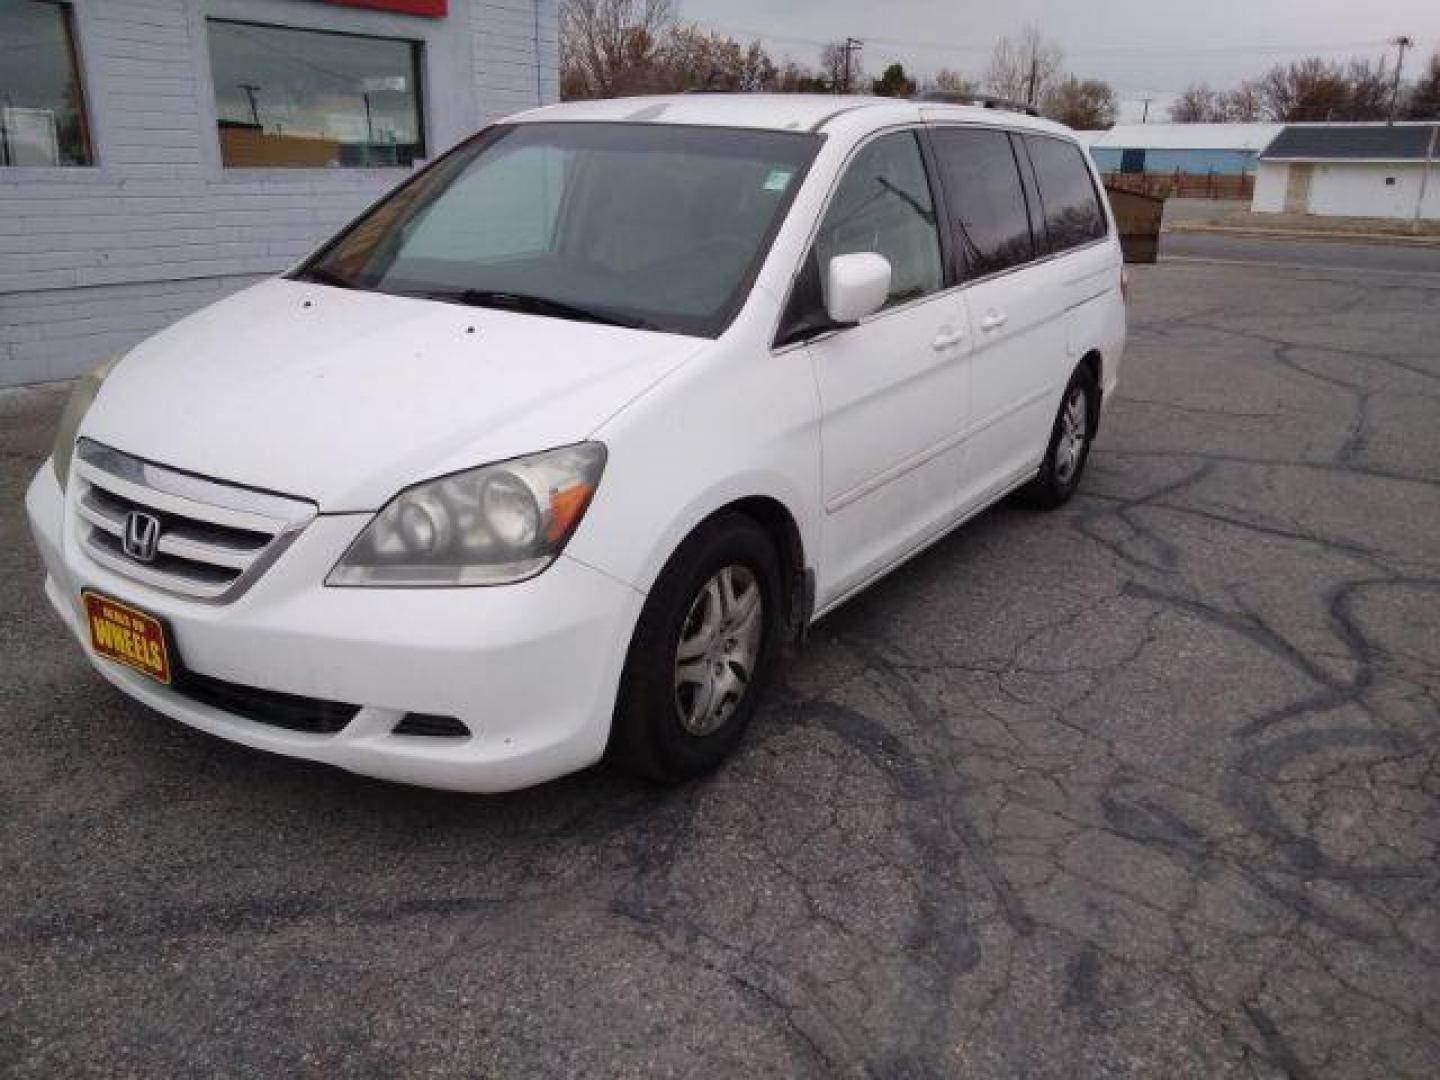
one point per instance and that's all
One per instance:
(1193, 149)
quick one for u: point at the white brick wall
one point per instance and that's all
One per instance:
(94, 259)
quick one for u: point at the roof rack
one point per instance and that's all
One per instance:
(985, 101)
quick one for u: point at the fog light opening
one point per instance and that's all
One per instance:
(431, 726)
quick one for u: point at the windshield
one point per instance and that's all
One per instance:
(648, 225)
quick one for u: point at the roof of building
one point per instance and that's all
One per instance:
(1251, 138)
(784, 112)
(1352, 142)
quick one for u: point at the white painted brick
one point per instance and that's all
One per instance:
(172, 136)
(104, 29)
(123, 49)
(86, 276)
(124, 15)
(158, 71)
(94, 259)
(150, 86)
(153, 101)
(152, 155)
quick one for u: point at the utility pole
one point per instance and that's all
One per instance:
(852, 45)
(1425, 177)
(250, 91)
(1034, 75)
(1145, 116)
(1401, 43)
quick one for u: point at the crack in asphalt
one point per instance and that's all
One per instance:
(1148, 787)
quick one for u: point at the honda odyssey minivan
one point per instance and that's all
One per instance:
(543, 459)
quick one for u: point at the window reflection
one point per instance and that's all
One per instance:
(883, 205)
(42, 117)
(1072, 205)
(987, 201)
(288, 97)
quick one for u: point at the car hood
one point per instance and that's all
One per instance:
(345, 397)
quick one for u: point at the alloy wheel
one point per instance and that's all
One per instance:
(1074, 430)
(718, 649)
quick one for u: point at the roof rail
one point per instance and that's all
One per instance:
(985, 101)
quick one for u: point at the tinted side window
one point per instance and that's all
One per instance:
(883, 204)
(1073, 215)
(987, 203)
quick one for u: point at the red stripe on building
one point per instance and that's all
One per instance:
(434, 9)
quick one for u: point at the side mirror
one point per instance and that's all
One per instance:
(856, 286)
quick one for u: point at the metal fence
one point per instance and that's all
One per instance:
(1183, 185)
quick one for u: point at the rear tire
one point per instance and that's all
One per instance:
(1069, 447)
(702, 649)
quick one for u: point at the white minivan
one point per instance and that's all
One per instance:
(544, 458)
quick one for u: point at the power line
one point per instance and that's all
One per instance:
(1149, 50)
(1097, 50)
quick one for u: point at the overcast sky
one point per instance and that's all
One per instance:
(1141, 47)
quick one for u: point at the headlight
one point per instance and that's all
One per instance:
(82, 396)
(487, 526)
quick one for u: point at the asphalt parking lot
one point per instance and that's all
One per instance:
(1147, 787)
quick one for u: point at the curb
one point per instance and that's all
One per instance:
(1398, 239)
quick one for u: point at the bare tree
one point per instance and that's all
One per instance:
(1023, 68)
(756, 70)
(952, 82)
(1308, 89)
(1199, 104)
(1424, 103)
(1083, 104)
(692, 59)
(793, 78)
(610, 47)
(1369, 91)
(1243, 104)
(844, 72)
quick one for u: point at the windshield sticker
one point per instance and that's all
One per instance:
(779, 179)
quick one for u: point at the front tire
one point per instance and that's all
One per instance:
(1070, 439)
(703, 646)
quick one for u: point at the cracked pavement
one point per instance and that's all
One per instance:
(1146, 787)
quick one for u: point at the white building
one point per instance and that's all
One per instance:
(1352, 170)
(157, 154)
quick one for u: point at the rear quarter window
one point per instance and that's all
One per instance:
(1070, 203)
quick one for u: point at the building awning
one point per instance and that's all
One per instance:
(1351, 142)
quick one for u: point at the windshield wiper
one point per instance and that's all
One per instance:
(537, 305)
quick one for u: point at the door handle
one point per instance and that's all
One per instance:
(993, 320)
(946, 338)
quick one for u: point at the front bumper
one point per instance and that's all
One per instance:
(532, 669)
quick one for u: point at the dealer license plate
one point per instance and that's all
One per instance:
(121, 633)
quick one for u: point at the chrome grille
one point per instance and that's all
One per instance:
(214, 539)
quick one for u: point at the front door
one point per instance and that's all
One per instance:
(894, 388)
(1297, 189)
(1016, 305)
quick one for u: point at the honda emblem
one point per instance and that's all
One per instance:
(142, 536)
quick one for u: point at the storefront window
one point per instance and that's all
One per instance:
(287, 97)
(42, 112)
